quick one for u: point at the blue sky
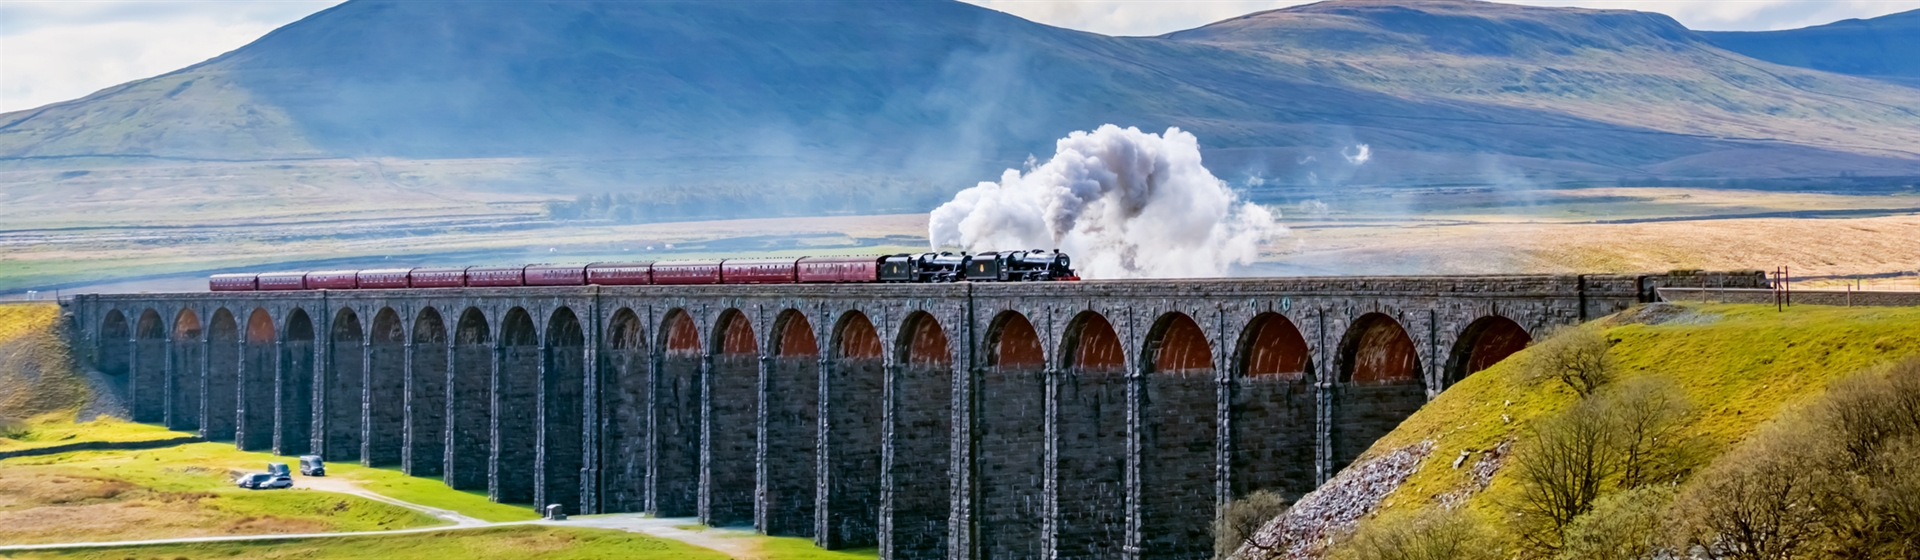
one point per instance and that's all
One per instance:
(55, 50)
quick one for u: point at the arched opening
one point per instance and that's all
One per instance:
(470, 406)
(923, 431)
(116, 336)
(1178, 439)
(1380, 385)
(1011, 425)
(1272, 409)
(793, 422)
(517, 400)
(1090, 439)
(147, 382)
(346, 376)
(189, 368)
(855, 395)
(1485, 342)
(676, 407)
(426, 408)
(294, 424)
(562, 413)
(624, 402)
(386, 408)
(223, 377)
(735, 382)
(258, 394)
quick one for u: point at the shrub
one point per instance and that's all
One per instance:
(1627, 525)
(1575, 356)
(1433, 534)
(1237, 521)
(1756, 503)
(1562, 466)
(1648, 416)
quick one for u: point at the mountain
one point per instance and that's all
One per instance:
(1883, 48)
(933, 95)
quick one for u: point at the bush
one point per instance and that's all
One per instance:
(1627, 437)
(1627, 525)
(1756, 503)
(1434, 534)
(1237, 521)
(14, 429)
(1576, 356)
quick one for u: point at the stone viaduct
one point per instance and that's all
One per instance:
(1043, 420)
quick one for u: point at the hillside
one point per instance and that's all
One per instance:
(854, 105)
(1881, 48)
(1739, 365)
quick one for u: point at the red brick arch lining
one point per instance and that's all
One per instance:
(683, 338)
(858, 339)
(796, 336)
(736, 334)
(1274, 348)
(1484, 343)
(1180, 345)
(260, 327)
(1014, 343)
(1377, 351)
(1093, 345)
(926, 341)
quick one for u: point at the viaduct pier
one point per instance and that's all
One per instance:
(973, 420)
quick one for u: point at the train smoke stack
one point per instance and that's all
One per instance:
(1124, 203)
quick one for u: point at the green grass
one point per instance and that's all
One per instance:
(501, 543)
(789, 548)
(432, 492)
(59, 429)
(1740, 365)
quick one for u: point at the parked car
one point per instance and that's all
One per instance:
(264, 481)
(311, 465)
(278, 469)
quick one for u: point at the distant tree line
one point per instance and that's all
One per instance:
(738, 200)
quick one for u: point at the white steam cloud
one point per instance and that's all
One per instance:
(1123, 203)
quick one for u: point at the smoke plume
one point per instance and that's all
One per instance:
(1123, 203)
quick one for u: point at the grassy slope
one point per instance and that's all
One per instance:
(36, 372)
(546, 543)
(1740, 364)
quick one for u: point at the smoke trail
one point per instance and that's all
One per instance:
(1124, 203)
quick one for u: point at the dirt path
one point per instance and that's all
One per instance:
(345, 486)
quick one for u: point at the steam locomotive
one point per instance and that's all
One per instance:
(1007, 266)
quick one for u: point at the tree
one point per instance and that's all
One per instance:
(1237, 521)
(1756, 503)
(1576, 356)
(1562, 465)
(1626, 525)
(1648, 417)
(1431, 534)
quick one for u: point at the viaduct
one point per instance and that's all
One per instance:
(968, 421)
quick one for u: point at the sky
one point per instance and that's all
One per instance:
(56, 50)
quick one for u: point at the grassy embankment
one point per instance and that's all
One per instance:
(501, 543)
(1741, 365)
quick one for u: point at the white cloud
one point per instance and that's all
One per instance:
(55, 50)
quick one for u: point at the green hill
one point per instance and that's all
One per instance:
(1740, 365)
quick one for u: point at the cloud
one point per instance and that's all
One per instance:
(52, 51)
(55, 50)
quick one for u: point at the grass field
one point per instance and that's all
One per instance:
(503, 543)
(1741, 364)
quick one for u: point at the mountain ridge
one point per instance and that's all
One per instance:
(636, 95)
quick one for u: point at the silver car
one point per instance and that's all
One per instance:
(265, 481)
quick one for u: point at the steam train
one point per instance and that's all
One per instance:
(1009, 266)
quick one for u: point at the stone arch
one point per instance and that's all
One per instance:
(624, 401)
(385, 413)
(562, 451)
(676, 475)
(146, 382)
(854, 392)
(261, 367)
(345, 381)
(470, 403)
(1011, 423)
(189, 369)
(1381, 383)
(426, 396)
(1485, 342)
(733, 418)
(792, 427)
(922, 431)
(115, 345)
(516, 403)
(1090, 438)
(293, 433)
(1178, 438)
(223, 377)
(1272, 409)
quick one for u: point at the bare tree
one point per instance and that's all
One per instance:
(1648, 417)
(1563, 464)
(1756, 503)
(1576, 356)
(1237, 521)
